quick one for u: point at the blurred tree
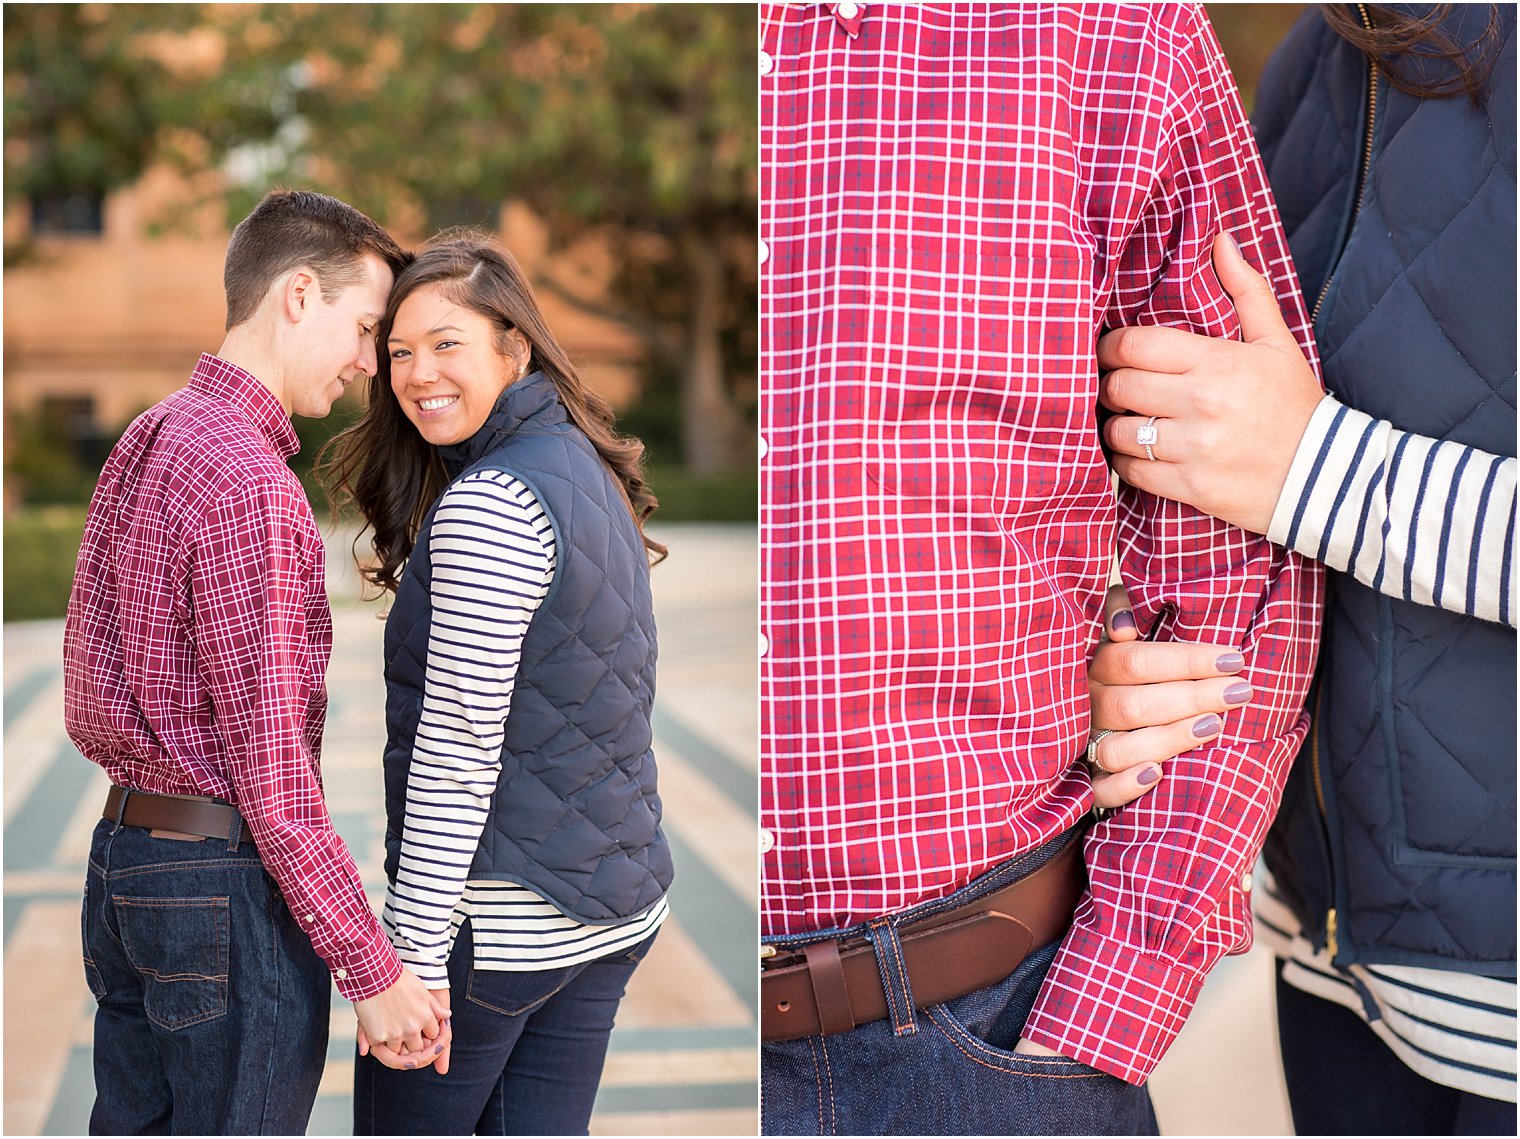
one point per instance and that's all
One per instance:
(632, 124)
(1249, 33)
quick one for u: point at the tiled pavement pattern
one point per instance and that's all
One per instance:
(683, 1057)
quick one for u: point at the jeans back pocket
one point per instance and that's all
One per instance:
(181, 948)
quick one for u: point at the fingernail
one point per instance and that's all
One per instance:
(1148, 776)
(1208, 726)
(409, 1064)
(1233, 242)
(1230, 662)
(1237, 693)
(1124, 619)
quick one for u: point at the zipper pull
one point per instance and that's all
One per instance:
(1330, 942)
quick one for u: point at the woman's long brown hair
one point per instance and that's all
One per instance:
(384, 467)
(1396, 40)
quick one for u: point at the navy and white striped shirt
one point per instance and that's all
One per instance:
(1429, 521)
(493, 556)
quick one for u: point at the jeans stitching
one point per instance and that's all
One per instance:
(829, 1071)
(188, 864)
(817, 1078)
(220, 911)
(469, 995)
(904, 1020)
(959, 1039)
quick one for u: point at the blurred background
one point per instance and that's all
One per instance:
(612, 148)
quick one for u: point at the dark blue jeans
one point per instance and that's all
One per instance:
(212, 1007)
(527, 1054)
(949, 1069)
(1343, 1080)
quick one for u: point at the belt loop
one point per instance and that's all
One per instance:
(121, 809)
(235, 831)
(894, 976)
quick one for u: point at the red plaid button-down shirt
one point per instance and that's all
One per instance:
(956, 200)
(198, 637)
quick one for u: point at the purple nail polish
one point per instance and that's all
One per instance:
(1237, 693)
(1208, 726)
(1148, 776)
(409, 1064)
(1233, 242)
(1124, 619)
(1230, 662)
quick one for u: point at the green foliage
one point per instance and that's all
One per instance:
(729, 496)
(40, 547)
(633, 124)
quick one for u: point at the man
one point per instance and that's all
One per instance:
(957, 198)
(218, 896)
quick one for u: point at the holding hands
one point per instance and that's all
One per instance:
(407, 1026)
(1224, 417)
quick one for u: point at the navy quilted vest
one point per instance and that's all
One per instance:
(1400, 812)
(575, 816)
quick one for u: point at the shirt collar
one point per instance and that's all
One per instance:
(217, 378)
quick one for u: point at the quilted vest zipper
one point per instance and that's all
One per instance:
(1324, 820)
(1366, 167)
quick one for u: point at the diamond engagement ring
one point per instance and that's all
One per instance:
(1146, 434)
(1092, 750)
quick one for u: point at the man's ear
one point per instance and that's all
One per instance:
(299, 291)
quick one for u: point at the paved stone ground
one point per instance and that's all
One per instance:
(683, 1058)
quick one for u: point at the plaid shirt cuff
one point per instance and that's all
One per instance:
(1108, 1006)
(367, 976)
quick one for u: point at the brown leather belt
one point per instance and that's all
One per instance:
(830, 987)
(175, 816)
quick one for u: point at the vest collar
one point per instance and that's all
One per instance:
(532, 398)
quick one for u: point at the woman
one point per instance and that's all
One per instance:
(523, 820)
(1389, 137)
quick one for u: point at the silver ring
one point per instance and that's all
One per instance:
(1145, 435)
(1092, 750)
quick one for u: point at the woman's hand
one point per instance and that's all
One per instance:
(1157, 699)
(1229, 414)
(435, 1051)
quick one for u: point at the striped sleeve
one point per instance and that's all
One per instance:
(1429, 521)
(493, 556)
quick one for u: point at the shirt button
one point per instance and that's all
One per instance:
(767, 842)
(764, 446)
(765, 644)
(765, 251)
(767, 64)
(311, 917)
(341, 974)
(1246, 882)
(848, 11)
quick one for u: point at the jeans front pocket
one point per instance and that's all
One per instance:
(181, 948)
(513, 994)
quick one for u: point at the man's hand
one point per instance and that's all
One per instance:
(1030, 1048)
(1229, 414)
(405, 1017)
(435, 1051)
(1158, 699)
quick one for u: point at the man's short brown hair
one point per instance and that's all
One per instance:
(290, 228)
